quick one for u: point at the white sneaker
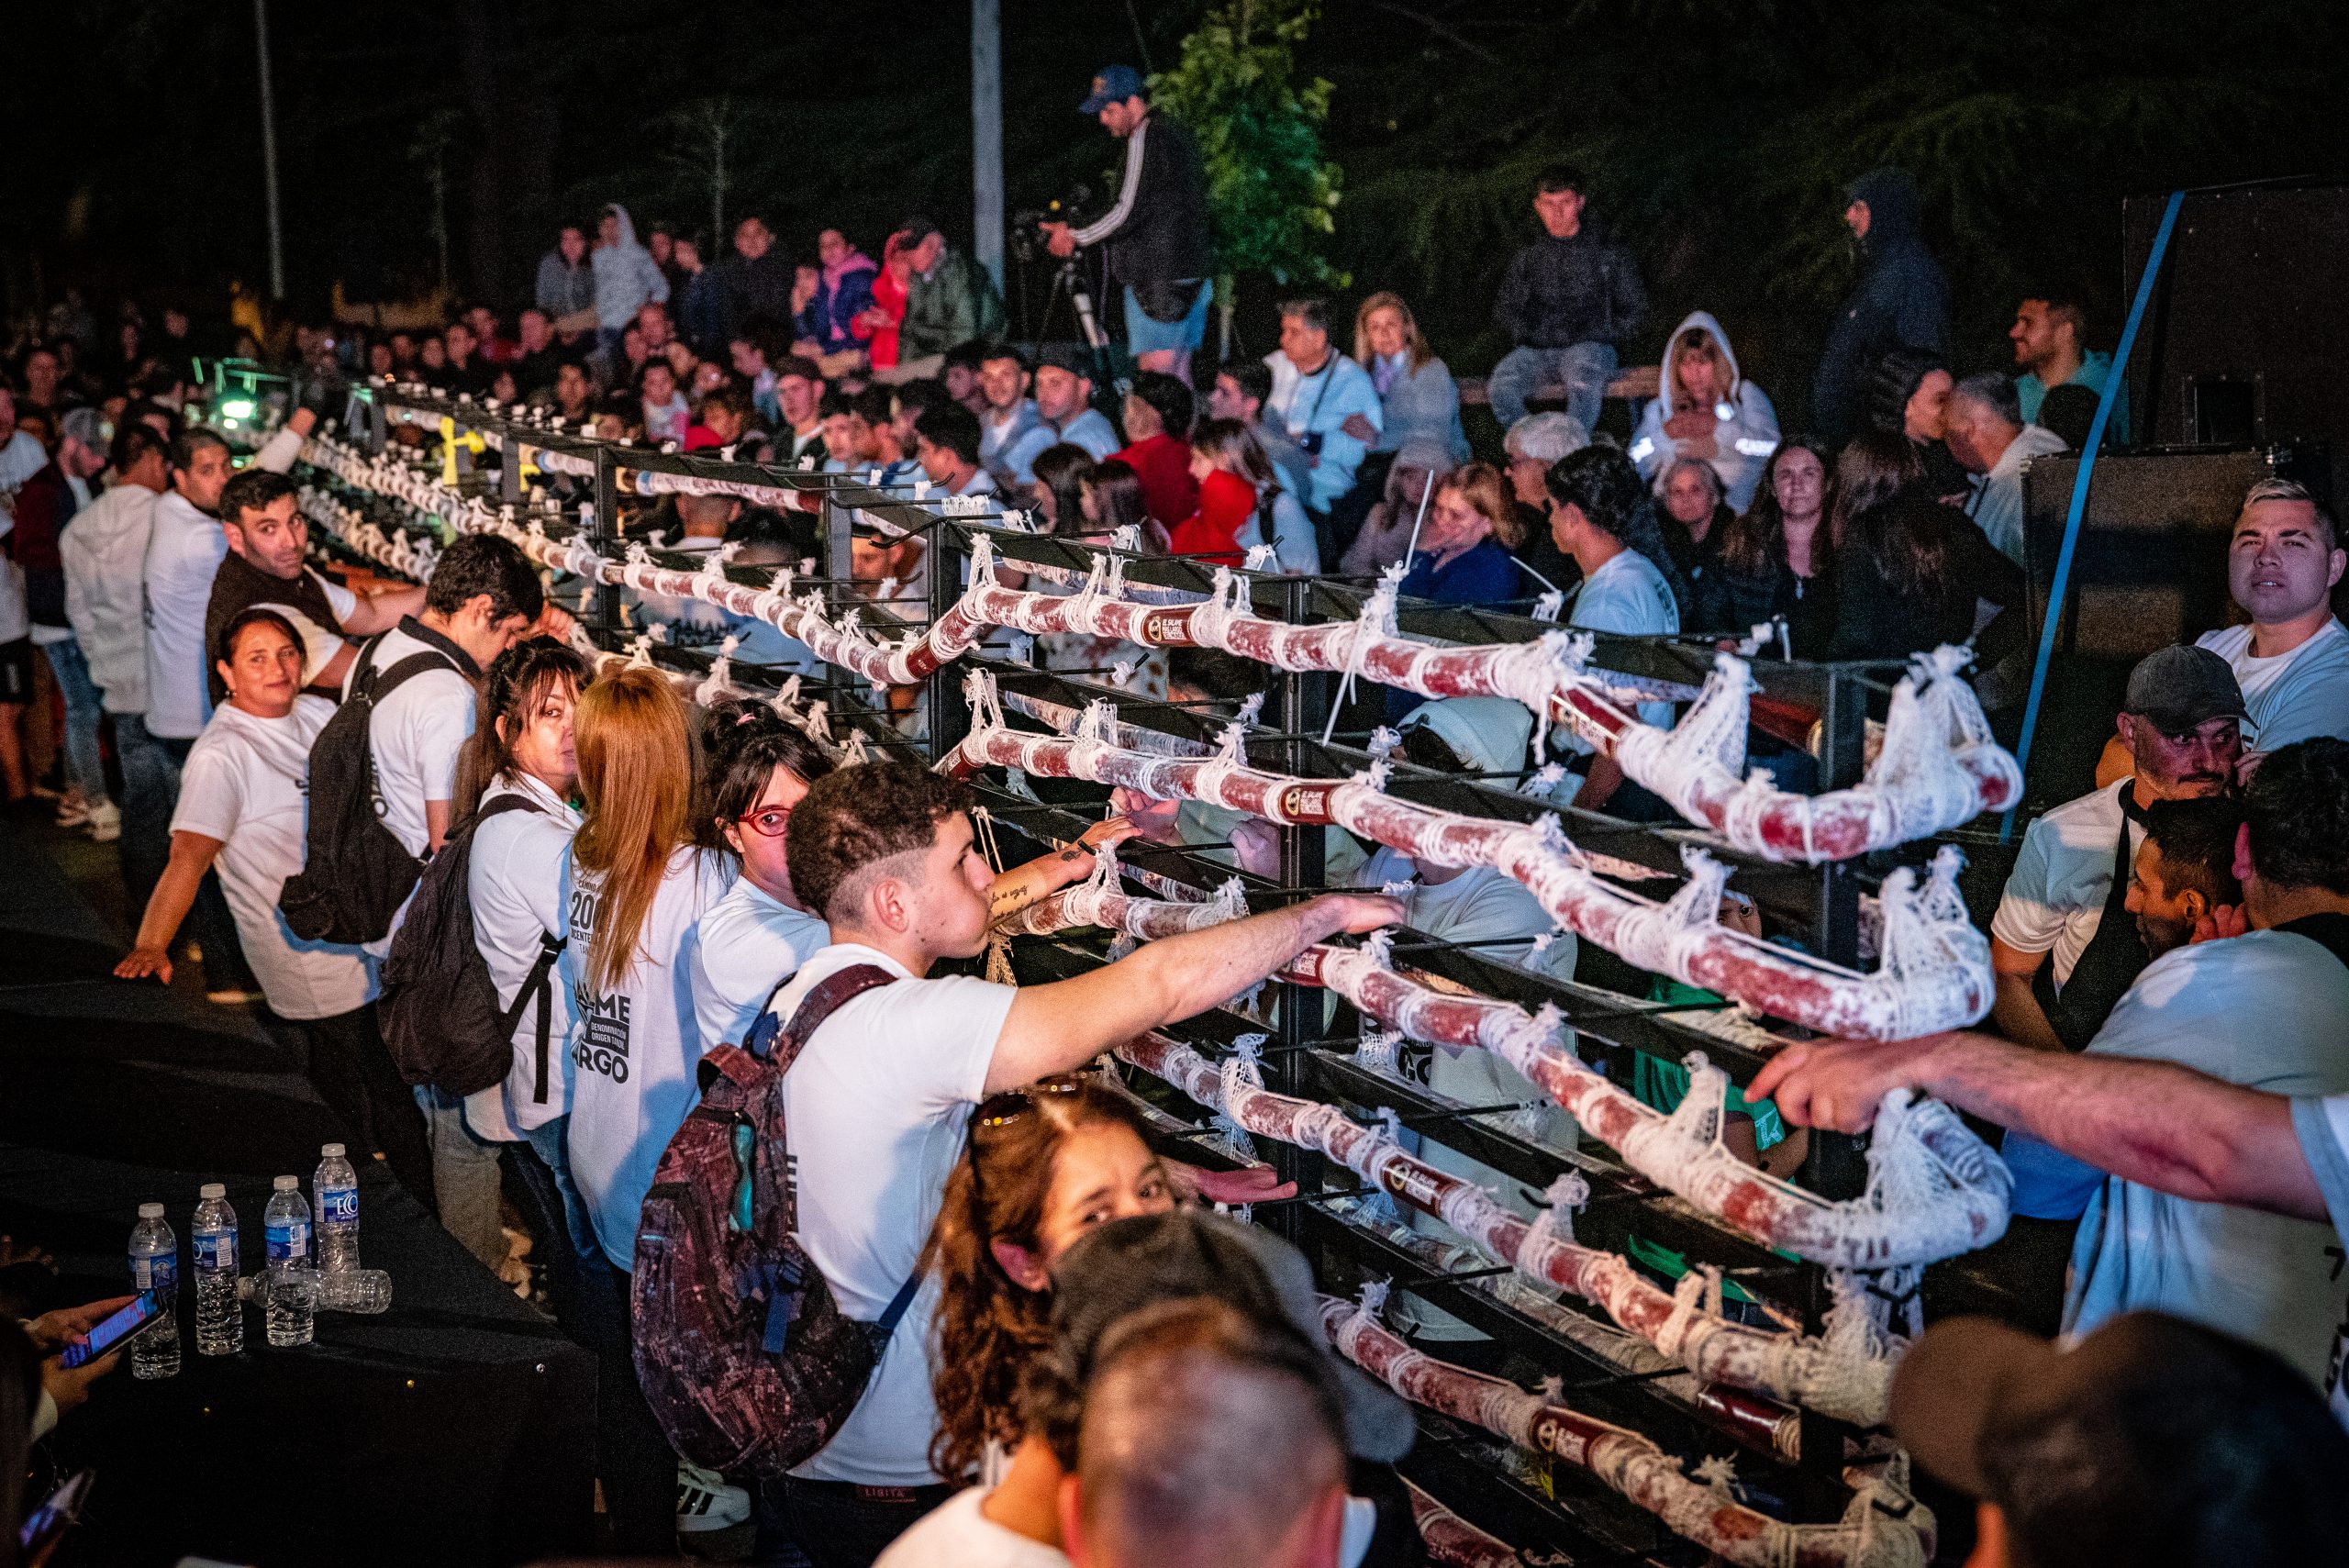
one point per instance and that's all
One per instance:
(103, 822)
(705, 1502)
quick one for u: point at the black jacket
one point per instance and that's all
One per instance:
(1558, 293)
(1900, 301)
(1163, 236)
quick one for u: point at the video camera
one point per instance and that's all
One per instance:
(1027, 226)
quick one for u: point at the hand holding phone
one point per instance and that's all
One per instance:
(83, 1348)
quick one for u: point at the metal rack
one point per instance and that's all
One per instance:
(1545, 1508)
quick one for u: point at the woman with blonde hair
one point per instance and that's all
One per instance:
(1417, 395)
(635, 886)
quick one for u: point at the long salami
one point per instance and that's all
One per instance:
(1848, 1373)
(1882, 1528)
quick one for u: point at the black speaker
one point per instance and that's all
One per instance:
(2248, 326)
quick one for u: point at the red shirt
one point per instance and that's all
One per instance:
(1163, 466)
(1225, 503)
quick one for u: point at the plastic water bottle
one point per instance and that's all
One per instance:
(219, 1320)
(334, 1204)
(155, 1266)
(292, 1276)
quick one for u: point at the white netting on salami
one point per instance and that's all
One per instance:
(1849, 1377)
(1935, 974)
(1934, 1189)
(1454, 1542)
(1883, 1527)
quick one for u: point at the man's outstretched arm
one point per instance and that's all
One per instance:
(1063, 1025)
(2163, 1127)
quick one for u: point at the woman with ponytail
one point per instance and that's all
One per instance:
(1043, 1165)
(634, 887)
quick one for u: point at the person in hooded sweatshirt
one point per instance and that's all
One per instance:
(1901, 300)
(1705, 410)
(626, 277)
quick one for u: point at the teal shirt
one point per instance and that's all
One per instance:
(2030, 391)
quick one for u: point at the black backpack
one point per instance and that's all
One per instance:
(355, 873)
(438, 1005)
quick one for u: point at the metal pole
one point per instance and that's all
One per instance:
(269, 152)
(987, 136)
(2078, 509)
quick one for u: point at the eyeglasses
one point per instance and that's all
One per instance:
(1002, 1110)
(769, 823)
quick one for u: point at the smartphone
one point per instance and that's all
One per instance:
(50, 1522)
(113, 1331)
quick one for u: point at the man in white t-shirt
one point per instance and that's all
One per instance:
(1988, 435)
(2158, 1112)
(878, 1103)
(1011, 431)
(269, 541)
(483, 595)
(1064, 399)
(2292, 660)
(1602, 514)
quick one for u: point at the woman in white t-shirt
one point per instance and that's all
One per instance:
(242, 811)
(634, 888)
(1044, 1165)
(523, 749)
(759, 767)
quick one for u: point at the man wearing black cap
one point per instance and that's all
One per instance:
(2263, 1010)
(1064, 399)
(2151, 1443)
(2061, 953)
(1157, 232)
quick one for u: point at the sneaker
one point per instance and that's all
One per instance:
(705, 1502)
(103, 822)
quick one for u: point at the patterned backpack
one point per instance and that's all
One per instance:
(742, 1351)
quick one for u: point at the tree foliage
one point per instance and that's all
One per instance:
(1272, 196)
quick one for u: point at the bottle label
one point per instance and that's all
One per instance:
(159, 1274)
(289, 1241)
(216, 1252)
(338, 1206)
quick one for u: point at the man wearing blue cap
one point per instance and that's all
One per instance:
(1157, 232)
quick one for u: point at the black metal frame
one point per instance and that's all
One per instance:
(1306, 1058)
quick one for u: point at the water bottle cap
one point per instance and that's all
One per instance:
(150, 1211)
(212, 1190)
(287, 1185)
(329, 1151)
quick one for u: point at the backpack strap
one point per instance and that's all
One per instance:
(386, 682)
(823, 998)
(536, 987)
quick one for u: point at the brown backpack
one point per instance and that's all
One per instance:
(742, 1351)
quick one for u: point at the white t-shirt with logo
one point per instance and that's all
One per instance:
(184, 552)
(877, 1106)
(2055, 896)
(244, 785)
(2321, 1125)
(633, 1051)
(415, 736)
(751, 943)
(2292, 695)
(515, 883)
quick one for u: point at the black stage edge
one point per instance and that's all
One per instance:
(458, 1427)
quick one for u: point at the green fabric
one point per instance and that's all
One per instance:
(1663, 1085)
(956, 303)
(1672, 1266)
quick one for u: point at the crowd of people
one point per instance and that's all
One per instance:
(647, 880)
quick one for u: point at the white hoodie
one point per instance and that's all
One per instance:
(1746, 428)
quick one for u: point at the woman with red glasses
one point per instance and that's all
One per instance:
(759, 767)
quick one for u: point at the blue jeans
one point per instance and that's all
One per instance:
(150, 790)
(1146, 333)
(1585, 368)
(84, 770)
